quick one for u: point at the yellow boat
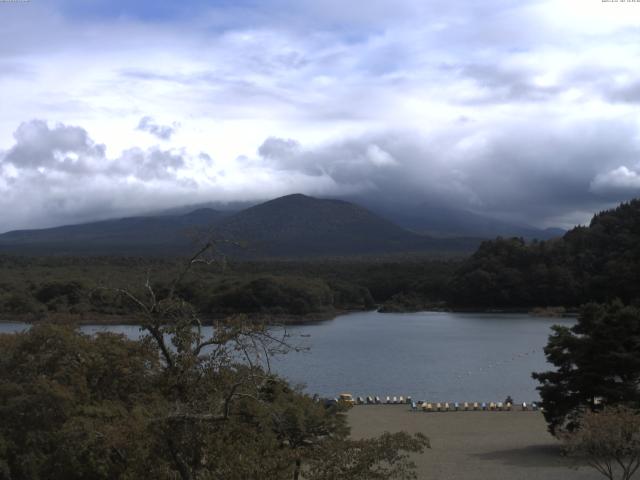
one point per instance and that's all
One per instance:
(347, 399)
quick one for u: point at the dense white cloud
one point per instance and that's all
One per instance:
(61, 148)
(621, 180)
(56, 174)
(521, 109)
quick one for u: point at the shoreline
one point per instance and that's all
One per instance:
(279, 319)
(130, 319)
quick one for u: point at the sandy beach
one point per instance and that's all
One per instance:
(475, 445)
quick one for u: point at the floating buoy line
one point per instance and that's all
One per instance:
(497, 364)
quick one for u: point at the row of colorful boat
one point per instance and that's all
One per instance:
(438, 406)
(473, 406)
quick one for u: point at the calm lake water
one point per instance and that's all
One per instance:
(429, 355)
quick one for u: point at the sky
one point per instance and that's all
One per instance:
(527, 111)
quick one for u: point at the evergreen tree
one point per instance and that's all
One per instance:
(597, 364)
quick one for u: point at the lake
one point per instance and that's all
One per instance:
(436, 356)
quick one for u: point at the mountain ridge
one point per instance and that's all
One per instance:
(294, 225)
(441, 220)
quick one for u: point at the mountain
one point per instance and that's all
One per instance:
(443, 221)
(290, 226)
(298, 225)
(227, 208)
(131, 235)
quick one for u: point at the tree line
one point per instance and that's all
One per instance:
(71, 288)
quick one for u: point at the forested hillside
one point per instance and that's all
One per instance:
(595, 263)
(86, 288)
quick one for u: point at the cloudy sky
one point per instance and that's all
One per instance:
(524, 110)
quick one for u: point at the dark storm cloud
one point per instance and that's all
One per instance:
(521, 109)
(527, 171)
(163, 132)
